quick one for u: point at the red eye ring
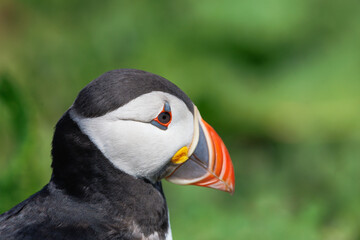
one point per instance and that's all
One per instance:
(164, 118)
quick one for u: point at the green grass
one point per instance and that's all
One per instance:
(279, 81)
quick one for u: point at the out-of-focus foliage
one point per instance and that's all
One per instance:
(279, 81)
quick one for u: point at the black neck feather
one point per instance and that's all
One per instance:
(81, 171)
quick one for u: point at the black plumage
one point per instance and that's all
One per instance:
(87, 197)
(118, 87)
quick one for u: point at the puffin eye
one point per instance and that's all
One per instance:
(164, 117)
(163, 120)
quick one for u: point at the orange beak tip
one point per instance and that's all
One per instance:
(209, 163)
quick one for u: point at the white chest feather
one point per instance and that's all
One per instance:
(138, 234)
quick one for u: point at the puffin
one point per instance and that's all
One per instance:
(126, 131)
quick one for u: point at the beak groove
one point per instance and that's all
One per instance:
(220, 171)
(209, 163)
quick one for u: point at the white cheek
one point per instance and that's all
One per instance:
(137, 148)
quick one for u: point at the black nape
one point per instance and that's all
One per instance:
(118, 87)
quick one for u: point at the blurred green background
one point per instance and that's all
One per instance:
(278, 80)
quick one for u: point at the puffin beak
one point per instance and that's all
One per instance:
(206, 162)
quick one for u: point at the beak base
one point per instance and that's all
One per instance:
(209, 164)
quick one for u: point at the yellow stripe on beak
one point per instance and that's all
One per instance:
(180, 156)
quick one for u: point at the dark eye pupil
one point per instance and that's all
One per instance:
(164, 117)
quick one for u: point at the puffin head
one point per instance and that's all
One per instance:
(148, 128)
